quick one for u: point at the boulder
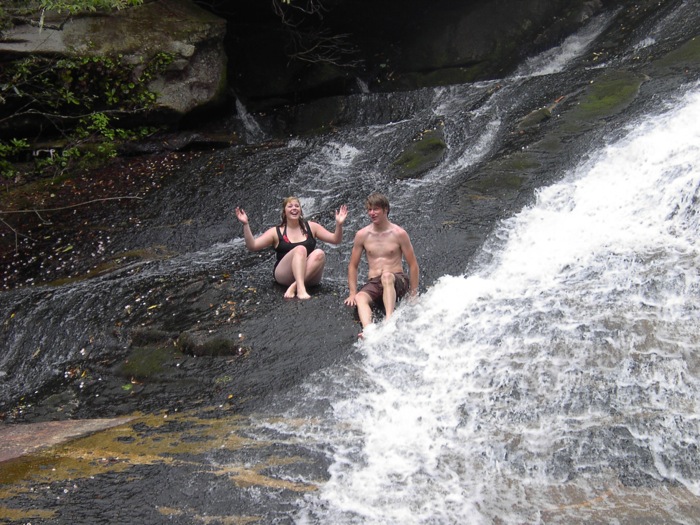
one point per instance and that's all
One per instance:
(194, 38)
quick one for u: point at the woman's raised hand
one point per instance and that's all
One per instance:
(341, 214)
(241, 215)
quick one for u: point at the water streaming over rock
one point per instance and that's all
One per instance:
(569, 356)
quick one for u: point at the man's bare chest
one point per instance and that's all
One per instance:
(382, 245)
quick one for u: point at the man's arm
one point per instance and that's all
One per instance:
(353, 265)
(410, 255)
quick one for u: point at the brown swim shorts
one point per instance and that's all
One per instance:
(375, 290)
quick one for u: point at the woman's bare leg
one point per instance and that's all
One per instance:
(315, 264)
(296, 270)
(288, 269)
(299, 271)
(291, 291)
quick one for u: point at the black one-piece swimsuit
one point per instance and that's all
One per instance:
(284, 246)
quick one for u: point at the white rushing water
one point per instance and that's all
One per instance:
(559, 57)
(559, 374)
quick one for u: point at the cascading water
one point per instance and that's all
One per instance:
(559, 373)
(252, 130)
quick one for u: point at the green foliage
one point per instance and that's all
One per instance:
(12, 8)
(7, 151)
(83, 99)
(80, 99)
(59, 161)
(78, 6)
(4, 20)
(37, 8)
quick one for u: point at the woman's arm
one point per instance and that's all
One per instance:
(324, 235)
(255, 244)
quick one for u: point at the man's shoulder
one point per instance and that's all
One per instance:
(392, 229)
(363, 232)
(398, 230)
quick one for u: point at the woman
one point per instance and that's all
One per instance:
(299, 263)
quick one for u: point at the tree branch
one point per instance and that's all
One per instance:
(17, 234)
(49, 116)
(37, 211)
(67, 207)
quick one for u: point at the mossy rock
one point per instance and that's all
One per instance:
(686, 56)
(535, 118)
(147, 362)
(421, 155)
(506, 174)
(606, 96)
(495, 182)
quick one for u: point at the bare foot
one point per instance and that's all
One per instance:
(291, 291)
(303, 295)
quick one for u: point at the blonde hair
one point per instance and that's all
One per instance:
(302, 221)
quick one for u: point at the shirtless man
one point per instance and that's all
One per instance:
(386, 246)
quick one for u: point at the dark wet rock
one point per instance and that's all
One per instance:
(220, 343)
(448, 43)
(142, 336)
(182, 141)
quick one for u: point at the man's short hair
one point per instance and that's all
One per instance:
(378, 200)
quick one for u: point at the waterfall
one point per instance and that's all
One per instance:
(559, 57)
(554, 379)
(362, 85)
(253, 132)
(547, 373)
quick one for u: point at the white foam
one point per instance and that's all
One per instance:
(578, 336)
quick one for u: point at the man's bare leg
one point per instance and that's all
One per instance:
(389, 293)
(364, 310)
